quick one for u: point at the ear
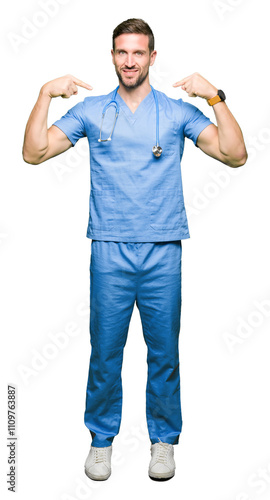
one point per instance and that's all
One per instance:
(113, 61)
(153, 57)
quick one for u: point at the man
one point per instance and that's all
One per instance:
(137, 221)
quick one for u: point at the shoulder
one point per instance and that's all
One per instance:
(97, 100)
(185, 107)
(91, 104)
(170, 103)
(165, 98)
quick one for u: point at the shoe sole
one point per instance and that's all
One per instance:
(164, 475)
(97, 478)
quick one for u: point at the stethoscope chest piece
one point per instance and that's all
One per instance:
(157, 150)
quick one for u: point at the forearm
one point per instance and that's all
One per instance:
(231, 141)
(227, 144)
(36, 132)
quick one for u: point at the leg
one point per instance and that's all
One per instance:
(159, 303)
(112, 295)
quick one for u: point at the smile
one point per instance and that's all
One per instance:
(130, 71)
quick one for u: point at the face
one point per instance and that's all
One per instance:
(132, 59)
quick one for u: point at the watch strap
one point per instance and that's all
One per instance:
(214, 100)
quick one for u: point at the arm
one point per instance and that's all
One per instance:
(41, 143)
(223, 142)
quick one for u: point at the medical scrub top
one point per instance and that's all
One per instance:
(135, 196)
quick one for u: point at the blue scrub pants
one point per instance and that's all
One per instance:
(121, 274)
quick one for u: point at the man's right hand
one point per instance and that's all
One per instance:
(65, 86)
(41, 143)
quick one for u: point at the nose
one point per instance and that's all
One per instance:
(130, 61)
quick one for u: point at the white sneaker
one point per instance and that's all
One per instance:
(98, 463)
(162, 464)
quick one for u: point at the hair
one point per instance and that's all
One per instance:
(135, 26)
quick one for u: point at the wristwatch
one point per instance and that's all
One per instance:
(217, 98)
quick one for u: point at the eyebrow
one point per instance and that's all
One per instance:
(137, 50)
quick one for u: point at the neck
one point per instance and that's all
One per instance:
(136, 95)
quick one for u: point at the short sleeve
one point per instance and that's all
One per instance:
(72, 123)
(194, 121)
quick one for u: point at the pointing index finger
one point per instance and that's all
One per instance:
(82, 84)
(181, 82)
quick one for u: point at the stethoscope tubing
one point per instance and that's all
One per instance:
(115, 103)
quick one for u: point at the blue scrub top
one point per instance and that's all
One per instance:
(135, 196)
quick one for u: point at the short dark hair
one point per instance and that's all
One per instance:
(135, 26)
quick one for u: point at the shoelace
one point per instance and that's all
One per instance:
(100, 455)
(162, 451)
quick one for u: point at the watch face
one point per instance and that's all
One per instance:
(221, 95)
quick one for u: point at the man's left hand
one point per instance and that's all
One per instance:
(197, 86)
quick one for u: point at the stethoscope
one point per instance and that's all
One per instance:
(157, 150)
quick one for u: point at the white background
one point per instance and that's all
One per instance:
(223, 452)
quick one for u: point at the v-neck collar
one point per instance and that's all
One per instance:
(132, 117)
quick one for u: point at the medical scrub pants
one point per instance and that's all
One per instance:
(121, 274)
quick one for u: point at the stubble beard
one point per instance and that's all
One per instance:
(141, 78)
